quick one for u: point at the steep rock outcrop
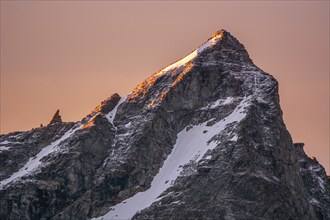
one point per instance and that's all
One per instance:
(56, 118)
(315, 181)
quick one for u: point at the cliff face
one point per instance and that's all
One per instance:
(202, 138)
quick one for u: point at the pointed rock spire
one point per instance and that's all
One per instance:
(56, 118)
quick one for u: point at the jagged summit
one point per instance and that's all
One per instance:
(56, 118)
(220, 51)
(202, 138)
(221, 40)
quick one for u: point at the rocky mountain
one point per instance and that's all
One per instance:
(203, 138)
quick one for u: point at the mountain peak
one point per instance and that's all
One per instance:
(190, 57)
(219, 33)
(222, 41)
(219, 50)
(56, 118)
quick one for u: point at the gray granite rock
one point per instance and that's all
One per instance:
(253, 172)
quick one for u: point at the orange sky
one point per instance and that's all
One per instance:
(72, 55)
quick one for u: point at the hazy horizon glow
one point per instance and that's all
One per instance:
(72, 55)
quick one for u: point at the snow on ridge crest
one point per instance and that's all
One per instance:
(217, 36)
(141, 89)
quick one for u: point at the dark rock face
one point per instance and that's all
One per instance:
(250, 168)
(107, 105)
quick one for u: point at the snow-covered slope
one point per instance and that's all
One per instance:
(35, 162)
(191, 145)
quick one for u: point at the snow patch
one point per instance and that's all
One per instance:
(5, 142)
(277, 179)
(177, 202)
(3, 148)
(220, 102)
(314, 201)
(34, 162)
(128, 124)
(190, 145)
(234, 138)
(111, 115)
(321, 183)
(313, 170)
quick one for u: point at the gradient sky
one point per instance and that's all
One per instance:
(72, 55)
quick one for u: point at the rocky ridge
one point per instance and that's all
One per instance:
(202, 138)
